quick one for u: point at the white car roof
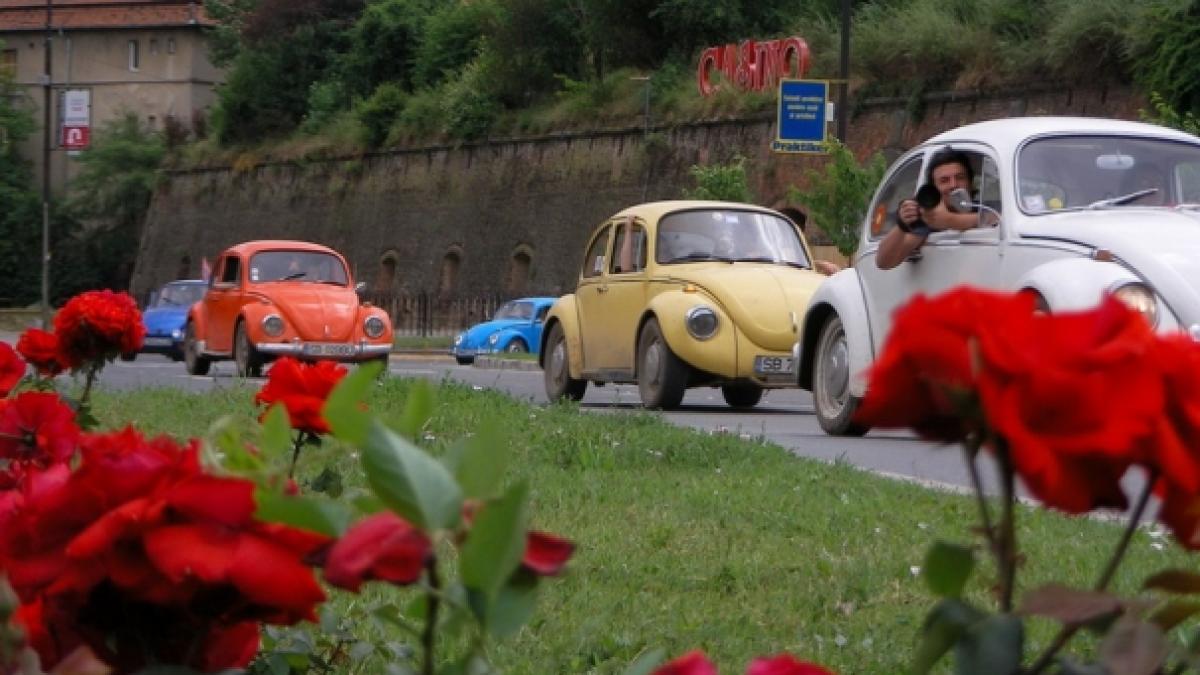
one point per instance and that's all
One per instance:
(1011, 131)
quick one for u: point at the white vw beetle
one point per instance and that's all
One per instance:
(1078, 207)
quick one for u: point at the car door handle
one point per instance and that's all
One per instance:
(603, 288)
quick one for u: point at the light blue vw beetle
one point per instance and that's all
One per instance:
(516, 328)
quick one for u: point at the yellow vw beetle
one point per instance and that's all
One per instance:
(683, 294)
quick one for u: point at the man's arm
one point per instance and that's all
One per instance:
(895, 248)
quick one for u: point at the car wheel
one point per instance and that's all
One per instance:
(465, 360)
(662, 376)
(249, 363)
(517, 346)
(129, 357)
(193, 360)
(557, 370)
(742, 395)
(831, 382)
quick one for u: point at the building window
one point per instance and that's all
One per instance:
(518, 271)
(134, 62)
(8, 62)
(387, 272)
(170, 45)
(448, 278)
(153, 46)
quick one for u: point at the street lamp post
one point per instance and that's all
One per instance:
(47, 95)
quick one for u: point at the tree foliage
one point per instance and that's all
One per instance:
(723, 182)
(837, 198)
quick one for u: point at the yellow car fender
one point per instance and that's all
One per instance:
(564, 313)
(717, 354)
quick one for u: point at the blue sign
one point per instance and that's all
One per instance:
(802, 110)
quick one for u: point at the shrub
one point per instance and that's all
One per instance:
(468, 105)
(837, 198)
(724, 182)
(377, 113)
(1166, 53)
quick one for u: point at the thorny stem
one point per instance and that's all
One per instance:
(296, 445)
(1068, 631)
(431, 616)
(92, 371)
(1007, 544)
(971, 451)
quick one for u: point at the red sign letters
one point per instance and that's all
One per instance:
(753, 66)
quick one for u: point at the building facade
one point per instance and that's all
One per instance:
(149, 57)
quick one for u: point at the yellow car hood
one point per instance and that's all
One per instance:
(767, 302)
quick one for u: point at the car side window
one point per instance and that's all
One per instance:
(231, 270)
(989, 186)
(593, 262)
(541, 314)
(629, 253)
(902, 185)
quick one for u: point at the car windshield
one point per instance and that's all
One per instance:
(515, 310)
(179, 295)
(1106, 171)
(306, 266)
(729, 236)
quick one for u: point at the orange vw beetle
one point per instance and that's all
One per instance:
(275, 298)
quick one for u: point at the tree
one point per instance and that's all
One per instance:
(837, 199)
(21, 213)
(723, 182)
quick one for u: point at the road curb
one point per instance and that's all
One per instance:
(505, 364)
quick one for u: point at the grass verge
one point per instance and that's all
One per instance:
(689, 540)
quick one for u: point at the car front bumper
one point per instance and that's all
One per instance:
(161, 344)
(337, 351)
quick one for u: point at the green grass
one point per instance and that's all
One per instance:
(690, 540)
(418, 342)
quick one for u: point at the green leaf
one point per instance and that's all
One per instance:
(1174, 613)
(409, 481)
(1174, 581)
(512, 606)
(991, 646)
(226, 436)
(276, 440)
(944, 625)
(417, 410)
(947, 568)
(344, 410)
(496, 542)
(1133, 647)
(1068, 605)
(647, 662)
(317, 515)
(479, 462)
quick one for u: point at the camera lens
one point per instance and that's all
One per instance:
(928, 196)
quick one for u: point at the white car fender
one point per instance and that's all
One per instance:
(840, 294)
(1074, 284)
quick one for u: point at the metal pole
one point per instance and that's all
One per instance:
(844, 73)
(47, 95)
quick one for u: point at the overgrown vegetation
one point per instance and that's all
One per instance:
(837, 198)
(724, 182)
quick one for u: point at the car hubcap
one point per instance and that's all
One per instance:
(558, 361)
(653, 362)
(835, 371)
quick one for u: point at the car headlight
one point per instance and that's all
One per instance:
(177, 334)
(1138, 297)
(493, 339)
(272, 325)
(458, 339)
(374, 327)
(701, 322)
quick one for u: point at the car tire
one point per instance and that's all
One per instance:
(557, 369)
(742, 395)
(465, 360)
(834, 405)
(129, 357)
(193, 360)
(662, 376)
(517, 346)
(245, 356)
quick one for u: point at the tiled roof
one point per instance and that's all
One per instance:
(23, 15)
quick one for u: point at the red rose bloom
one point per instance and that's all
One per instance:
(302, 388)
(691, 663)
(784, 664)
(383, 546)
(37, 429)
(926, 359)
(12, 368)
(1073, 395)
(546, 554)
(96, 326)
(40, 349)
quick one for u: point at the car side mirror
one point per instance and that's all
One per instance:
(360, 287)
(959, 201)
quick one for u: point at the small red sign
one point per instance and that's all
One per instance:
(75, 137)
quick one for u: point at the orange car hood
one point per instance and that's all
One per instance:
(318, 312)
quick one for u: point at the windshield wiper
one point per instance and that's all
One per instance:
(1123, 199)
(291, 277)
(797, 265)
(696, 256)
(756, 258)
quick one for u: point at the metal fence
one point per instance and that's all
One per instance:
(432, 314)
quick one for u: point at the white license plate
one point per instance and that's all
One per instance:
(157, 342)
(328, 349)
(773, 365)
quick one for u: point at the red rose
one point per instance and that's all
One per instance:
(38, 429)
(784, 664)
(383, 546)
(12, 368)
(40, 349)
(691, 663)
(97, 326)
(302, 388)
(546, 554)
(926, 363)
(1073, 395)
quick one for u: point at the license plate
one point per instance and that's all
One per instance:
(328, 349)
(157, 342)
(773, 365)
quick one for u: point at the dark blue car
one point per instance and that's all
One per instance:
(165, 316)
(517, 327)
